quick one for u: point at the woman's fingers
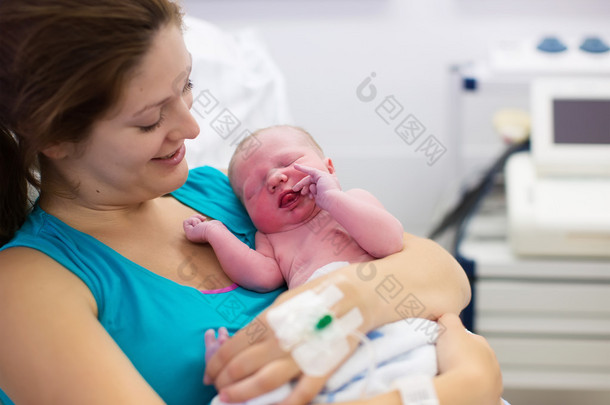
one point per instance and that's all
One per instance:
(263, 381)
(452, 324)
(458, 348)
(305, 390)
(451, 343)
(469, 355)
(247, 363)
(238, 359)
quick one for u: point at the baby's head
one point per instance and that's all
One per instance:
(262, 175)
(264, 143)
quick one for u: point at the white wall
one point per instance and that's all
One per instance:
(326, 48)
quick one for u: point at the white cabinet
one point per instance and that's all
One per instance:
(548, 320)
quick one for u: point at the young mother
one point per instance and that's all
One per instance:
(100, 292)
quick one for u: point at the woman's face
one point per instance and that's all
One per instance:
(137, 152)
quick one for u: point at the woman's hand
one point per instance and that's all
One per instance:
(469, 370)
(245, 367)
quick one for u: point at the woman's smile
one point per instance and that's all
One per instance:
(173, 158)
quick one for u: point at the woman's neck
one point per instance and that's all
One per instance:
(92, 217)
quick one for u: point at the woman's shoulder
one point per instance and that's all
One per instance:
(21, 263)
(20, 257)
(27, 274)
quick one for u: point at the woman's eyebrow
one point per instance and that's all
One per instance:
(148, 107)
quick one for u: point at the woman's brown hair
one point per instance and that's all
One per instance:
(63, 65)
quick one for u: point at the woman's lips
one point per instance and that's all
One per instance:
(173, 158)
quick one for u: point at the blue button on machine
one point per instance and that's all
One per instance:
(594, 45)
(551, 45)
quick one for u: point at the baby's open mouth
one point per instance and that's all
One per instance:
(289, 198)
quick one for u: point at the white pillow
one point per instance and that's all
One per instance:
(237, 88)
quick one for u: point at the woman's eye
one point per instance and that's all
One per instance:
(188, 87)
(154, 126)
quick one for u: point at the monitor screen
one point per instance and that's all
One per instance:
(571, 125)
(581, 121)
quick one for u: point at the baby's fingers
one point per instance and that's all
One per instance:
(303, 185)
(196, 218)
(223, 334)
(211, 346)
(193, 221)
(308, 170)
(313, 190)
(209, 337)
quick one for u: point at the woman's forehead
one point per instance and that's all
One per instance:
(160, 76)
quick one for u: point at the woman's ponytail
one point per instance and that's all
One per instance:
(15, 175)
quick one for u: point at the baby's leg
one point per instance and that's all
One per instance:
(212, 344)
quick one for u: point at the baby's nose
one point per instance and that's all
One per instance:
(275, 178)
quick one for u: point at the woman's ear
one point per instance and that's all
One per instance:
(56, 151)
(329, 165)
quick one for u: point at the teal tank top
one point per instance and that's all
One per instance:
(158, 323)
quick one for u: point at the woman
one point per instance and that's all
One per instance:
(99, 289)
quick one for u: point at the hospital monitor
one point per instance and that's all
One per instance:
(571, 126)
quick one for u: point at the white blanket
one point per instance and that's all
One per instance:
(392, 351)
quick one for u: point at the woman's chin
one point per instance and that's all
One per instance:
(171, 181)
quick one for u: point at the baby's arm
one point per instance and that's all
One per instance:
(249, 268)
(358, 211)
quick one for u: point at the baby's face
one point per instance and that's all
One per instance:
(264, 180)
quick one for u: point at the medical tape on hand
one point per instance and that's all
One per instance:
(305, 326)
(416, 390)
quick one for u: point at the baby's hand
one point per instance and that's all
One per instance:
(197, 227)
(317, 184)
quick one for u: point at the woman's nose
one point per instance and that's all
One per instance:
(190, 127)
(185, 127)
(275, 178)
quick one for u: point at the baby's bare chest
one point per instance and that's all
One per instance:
(302, 251)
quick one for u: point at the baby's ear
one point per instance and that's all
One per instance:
(329, 165)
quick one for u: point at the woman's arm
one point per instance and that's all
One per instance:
(53, 348)
(422, 280)
(469, 371)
